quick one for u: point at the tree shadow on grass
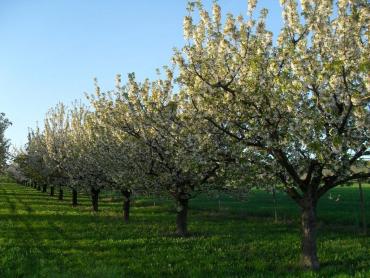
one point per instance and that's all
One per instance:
(58, 238)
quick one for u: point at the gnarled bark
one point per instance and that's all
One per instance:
(309, 248)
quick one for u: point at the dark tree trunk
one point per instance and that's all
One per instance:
(309, 248)
(44, 188)
(126, 204)
(95, 199)
(61, 195)
(74, 197)
(51, 190)
(182, 217)
(362, 209)
(275, 204)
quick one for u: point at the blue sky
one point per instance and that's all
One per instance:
(50, 51)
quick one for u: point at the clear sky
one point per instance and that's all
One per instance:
(50, 50)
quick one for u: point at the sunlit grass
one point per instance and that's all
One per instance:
(43, 237)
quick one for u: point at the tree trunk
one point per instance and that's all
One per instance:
(275, 204)
(182, 217)
(51, 190)
(362, 209)
(309, 248)
(95, 199)
(74, 197)
(126, 204)
(44, 188)
(60, 196)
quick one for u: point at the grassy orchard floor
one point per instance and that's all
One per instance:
(43, 237)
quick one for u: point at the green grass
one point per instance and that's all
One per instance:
(43, 237)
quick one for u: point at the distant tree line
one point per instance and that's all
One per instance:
(4, 143)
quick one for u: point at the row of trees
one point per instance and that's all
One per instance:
(4, 143)
(234, 111)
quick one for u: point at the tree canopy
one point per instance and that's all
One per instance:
(4, 143)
